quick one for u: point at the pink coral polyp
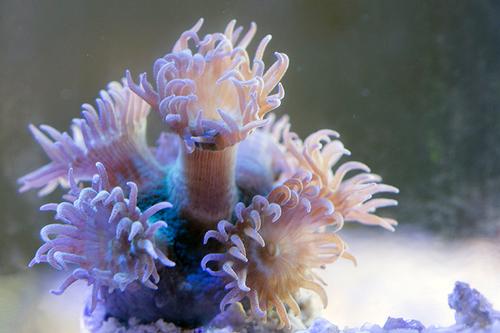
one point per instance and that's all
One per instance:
(214, 95)
(105, 235)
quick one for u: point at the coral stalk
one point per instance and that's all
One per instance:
(203, 184)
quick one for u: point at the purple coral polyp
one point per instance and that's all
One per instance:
(105, 235)
(253, 211)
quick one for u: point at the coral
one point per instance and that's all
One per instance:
(115, 136)
(351, 197)
(252, 210)
(105, 235)
(214, 95)
(274, 245)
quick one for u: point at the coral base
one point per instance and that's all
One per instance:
(473, 314)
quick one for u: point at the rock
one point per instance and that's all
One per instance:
(400, 323)
(471, 308)
(321, 325)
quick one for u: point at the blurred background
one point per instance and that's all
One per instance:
(413, 87)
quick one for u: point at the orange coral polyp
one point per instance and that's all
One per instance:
(275, 244)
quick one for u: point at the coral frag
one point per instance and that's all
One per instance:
(252, 210)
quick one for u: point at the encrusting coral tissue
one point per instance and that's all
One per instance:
(229, 209)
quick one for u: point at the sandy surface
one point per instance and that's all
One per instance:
(405, 274)
(408, 275)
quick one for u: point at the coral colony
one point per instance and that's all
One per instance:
(230, 208)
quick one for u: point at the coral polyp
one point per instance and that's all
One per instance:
(114, 135)
(274, 246)
(105, 235)
(214, 96)
(253, 211)
(352, 197)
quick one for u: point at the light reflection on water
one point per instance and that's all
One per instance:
(406, 274)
